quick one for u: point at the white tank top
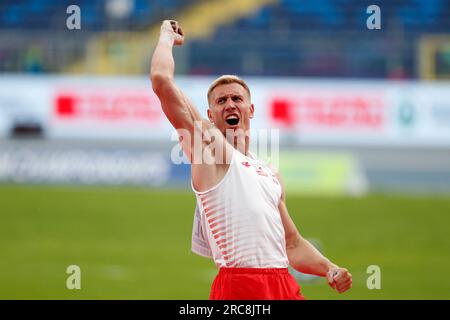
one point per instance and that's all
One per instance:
(237, 222)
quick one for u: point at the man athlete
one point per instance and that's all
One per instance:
(245, 225)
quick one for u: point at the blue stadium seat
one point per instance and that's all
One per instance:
(42, 14)
(289, 37)
(361, 53)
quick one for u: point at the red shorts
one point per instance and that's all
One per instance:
(255, 284)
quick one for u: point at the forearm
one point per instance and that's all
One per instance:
(304, 257)
(163, 65)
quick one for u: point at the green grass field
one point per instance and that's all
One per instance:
(135, 243)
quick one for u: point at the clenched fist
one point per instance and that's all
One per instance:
(339, 279)
(172, 32)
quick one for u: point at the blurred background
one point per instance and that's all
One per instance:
(356, 119)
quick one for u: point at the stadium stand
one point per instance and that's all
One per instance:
(46, 14)
(323, 38)
(263, 38)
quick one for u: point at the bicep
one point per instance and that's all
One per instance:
(292, 235)
(180, 112)
(176, 106)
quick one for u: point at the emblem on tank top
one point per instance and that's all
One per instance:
(245, 163)
(259, 170)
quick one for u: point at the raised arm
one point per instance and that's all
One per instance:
(178, 109)
(304, 257)
(208, 165)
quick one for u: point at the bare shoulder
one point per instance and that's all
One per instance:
(211, 159)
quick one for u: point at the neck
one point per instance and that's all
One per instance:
(241, 143)
(239, 139)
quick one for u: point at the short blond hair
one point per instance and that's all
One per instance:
(227, 79)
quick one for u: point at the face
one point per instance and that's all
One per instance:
(230, 107)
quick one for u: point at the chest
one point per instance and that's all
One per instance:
(259, 176)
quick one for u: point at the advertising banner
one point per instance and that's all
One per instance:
(321, 112)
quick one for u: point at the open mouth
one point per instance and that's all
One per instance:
(232, 120)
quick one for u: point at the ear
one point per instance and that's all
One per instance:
(252, 111)
(210, 115)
